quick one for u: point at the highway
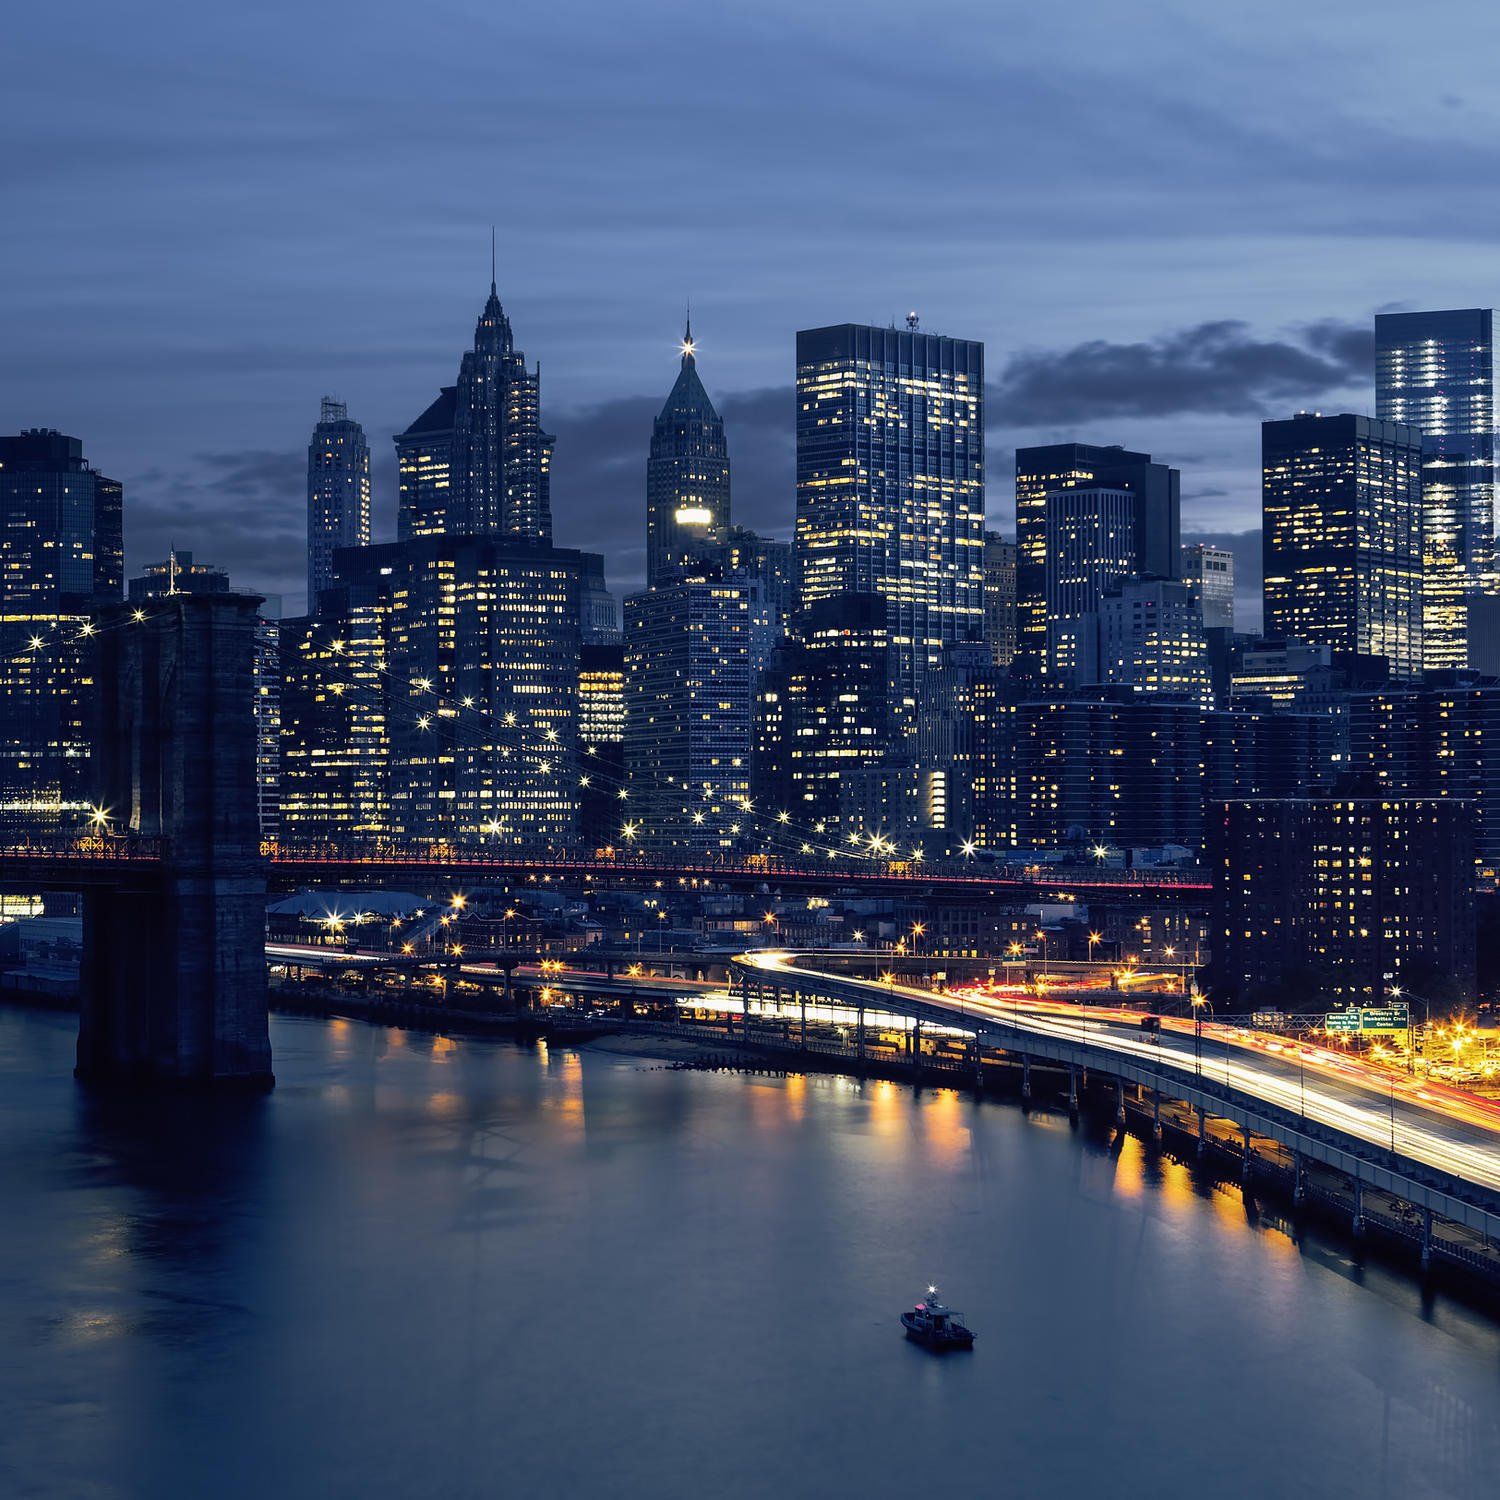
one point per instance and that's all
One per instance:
(1436, 1124)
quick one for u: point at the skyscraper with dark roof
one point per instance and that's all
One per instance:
(687, 477)
(477, 462)
(338, 493)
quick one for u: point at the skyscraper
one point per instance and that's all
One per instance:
(1341, 505)
(687, 476)
(1436, 371)
(61, 553)
(890, 506)
(694, 651)
(436, 697)
(1155, 526)
(1090, 546)
(1209, 574)
(477, 462)
(338, 493)
(1000, 598)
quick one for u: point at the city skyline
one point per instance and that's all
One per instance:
(1189, 333)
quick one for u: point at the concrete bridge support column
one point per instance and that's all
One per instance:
(1119, 1103)
(1299, 1181)
(802, 1037)
(1202, 1130)
(859, 1035)
(1156, 1115)
(173, 980)
(1073, 1093)
(916, 1048)
(1026, 1080)
(1358, 1223)
(1426, 1239)
(1247, 1156)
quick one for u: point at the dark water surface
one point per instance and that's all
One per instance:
(436, 1268)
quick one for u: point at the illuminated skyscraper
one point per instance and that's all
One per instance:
(1155, 491)
(1341, 505)
(476, 462)
(338, 493)
(61, 553)
(694, 651)
(890, 506)
(687, 477)
(1436, 371)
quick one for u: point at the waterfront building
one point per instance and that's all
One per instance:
(1152, 640)
(1435, 371)
(338, 493)
(475, 643)
(1109, 767)
(476, 462)
(890, 503)
(1330, 900)
(836, 711)
(967, 753)
(687, 477)
(61, 555)
(1209, 574)
(1342, 539)
(1000, 615)
(601, 740)
(695, 647)
(335, 767)
(1044, 470)
(1437, 739)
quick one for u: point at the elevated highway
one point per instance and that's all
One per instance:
(1431, 1145)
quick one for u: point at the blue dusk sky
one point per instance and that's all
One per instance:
(1165, 221)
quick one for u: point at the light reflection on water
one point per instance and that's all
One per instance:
(427, 1267)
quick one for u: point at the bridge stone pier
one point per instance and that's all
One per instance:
(173, 980)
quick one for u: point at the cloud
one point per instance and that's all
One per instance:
(1217, 368)
(244, 511)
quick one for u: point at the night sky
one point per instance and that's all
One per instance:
(1164, 222)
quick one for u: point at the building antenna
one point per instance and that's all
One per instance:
(492, 257)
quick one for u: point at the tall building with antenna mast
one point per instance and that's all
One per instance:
(338, 493)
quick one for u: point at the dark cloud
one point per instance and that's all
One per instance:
(1219, 368)
(242, 511)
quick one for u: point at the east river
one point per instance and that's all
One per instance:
(434, 1268)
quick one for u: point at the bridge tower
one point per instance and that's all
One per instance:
(174, 976)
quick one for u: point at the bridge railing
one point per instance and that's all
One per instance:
(440, 855)
(91, 848)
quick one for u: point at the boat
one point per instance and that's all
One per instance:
(935, 1325)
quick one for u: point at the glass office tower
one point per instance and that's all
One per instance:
(1341, 507)
(1436, 371)
(890, 485)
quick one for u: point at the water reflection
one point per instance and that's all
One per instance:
(455, 1268)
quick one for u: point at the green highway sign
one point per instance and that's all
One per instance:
(1363, 1022)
